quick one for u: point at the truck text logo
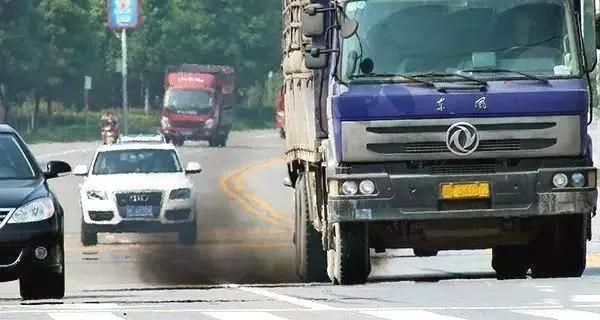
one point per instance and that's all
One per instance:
(462, 139)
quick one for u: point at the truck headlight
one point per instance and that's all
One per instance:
(560, 180)
(367, 187)
(349, 188)
(180, 194)
(96, 195)
(577, 180)
(36, 210)
(209, 124)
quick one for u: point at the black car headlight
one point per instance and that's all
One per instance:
(180, 194)
(36, 210)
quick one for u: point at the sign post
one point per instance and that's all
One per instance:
(123, 14)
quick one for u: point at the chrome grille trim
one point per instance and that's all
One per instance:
(5, 214)
(506, 137)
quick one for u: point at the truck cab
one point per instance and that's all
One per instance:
(441, 125)
(196, 104)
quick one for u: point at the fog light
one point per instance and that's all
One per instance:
(349, 188)
(367, 187)
(577, 180)
(41, 253)
(560, 180)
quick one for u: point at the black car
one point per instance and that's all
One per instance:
(31, 221)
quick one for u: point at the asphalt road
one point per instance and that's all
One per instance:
(242, 267)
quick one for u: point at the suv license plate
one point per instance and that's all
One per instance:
(465, 190)
(139, 211)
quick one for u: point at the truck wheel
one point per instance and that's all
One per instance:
(188, 234)
(178, 141)
(351, 258)
(218, 141)
(311, 259)
(425, 252)
(510, 262)
(89, 237)
(561, 249)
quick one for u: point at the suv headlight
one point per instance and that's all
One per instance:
(36, 210)
(96, 195)
(180, 194)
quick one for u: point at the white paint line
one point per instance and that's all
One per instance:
(243, 316)
(283, 298)
(409, 314)
(586, 298)
(64, 153)
(561, 314)
(84, 316)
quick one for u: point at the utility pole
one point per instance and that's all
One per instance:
(124, 74)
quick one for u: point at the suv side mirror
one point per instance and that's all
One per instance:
(193, 168)
(316, 56)
(55, 168)
(313, 20)
(80, 170)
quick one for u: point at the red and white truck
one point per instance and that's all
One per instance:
(198, 104)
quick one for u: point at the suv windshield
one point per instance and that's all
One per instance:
(417, 37)
(136, 161)
(188, 101)
(14, 164)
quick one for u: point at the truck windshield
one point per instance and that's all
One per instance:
(433, 36)
(188, 101)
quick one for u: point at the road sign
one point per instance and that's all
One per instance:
(88, 83)
(123, 14)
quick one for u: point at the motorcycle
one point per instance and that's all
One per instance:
(109, 133)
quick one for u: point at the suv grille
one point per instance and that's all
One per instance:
(138, 204)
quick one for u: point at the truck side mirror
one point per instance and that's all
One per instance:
(348, 28)
(313, 20)
(315, 57)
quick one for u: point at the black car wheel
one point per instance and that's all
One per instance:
(188, 234)
(89, 237)
(42, 284)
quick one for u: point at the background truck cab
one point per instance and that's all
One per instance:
(197, 104)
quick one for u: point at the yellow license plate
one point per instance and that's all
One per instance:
(465, 190)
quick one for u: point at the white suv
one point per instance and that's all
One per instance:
(137, 187)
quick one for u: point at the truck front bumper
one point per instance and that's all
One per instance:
(417, 197)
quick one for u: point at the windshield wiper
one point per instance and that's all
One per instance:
(449, 75)
(499, 70)
(393, 76)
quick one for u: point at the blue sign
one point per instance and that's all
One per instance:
(123, 13)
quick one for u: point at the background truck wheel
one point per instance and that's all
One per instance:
(352, 263)
(311, 259)
(177, 141)
(218, 141)
(425, 252)
(188, 234)
(89, 237)
(561, 249)
(510, 262)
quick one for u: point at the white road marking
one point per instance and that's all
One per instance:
(243, 316)
(409, 314)
(586, 298)
(293, 300)
(64, 153)
(84, 316)
(561, 314)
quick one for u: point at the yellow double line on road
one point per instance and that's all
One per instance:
(235, 189)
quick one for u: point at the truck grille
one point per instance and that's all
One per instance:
(400, 140)
(463, 169)
(126, 202)
(186, 124)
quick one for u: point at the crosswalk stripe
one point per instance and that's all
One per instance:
(561, 314)
(409, 314)
(84, 316)
(243, 316)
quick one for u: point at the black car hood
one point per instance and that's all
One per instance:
(14, 193)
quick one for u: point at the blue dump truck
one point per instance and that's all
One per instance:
(440, 125)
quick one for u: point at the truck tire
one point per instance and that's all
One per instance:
(218, 141)
(561, 249)
(510, 262)
(352, 263)
(89, 237)
(311, 259)
(425, 252)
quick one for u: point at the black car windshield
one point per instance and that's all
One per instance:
(137, 161)
(188, 101)
(446, 36)
(14, 165)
